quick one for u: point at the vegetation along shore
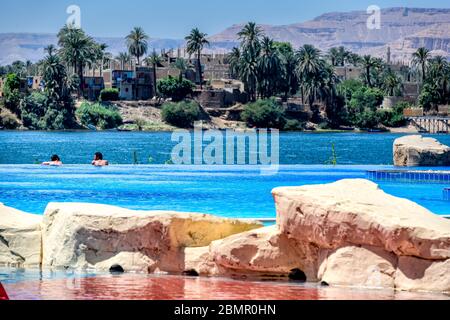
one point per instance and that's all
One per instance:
(259, 84)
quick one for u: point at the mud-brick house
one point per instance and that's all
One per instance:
(92, 86)
(35, 83)
(126, 89)
(113, 78)
(348, 72)
(143, 83)
(211, 98)
(132, 85)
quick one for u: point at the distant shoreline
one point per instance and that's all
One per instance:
(405, 130)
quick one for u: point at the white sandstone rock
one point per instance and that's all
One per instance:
(87, 236)
(357, 212)
(351, 266)
(417, 151)
(20, 238)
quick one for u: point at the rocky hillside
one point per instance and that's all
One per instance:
(30, 46)
(403, 29)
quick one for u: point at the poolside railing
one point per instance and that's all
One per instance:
(409, 176)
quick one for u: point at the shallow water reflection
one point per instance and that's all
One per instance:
(144, 287)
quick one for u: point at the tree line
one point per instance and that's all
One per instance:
(266, 67)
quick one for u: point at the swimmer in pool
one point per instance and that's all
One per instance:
(98, 160)
(54, 162)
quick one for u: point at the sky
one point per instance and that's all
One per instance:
(174, 18)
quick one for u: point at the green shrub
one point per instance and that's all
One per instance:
(98, 115)
(348, 87)
(8, 121)
(294, 125)
(324, 125)
(367, 98)
(429, 97)
(368, 119)
(33, 109)
(394, 118)
(40, 112)
(182, 114)
(11, 92)
(176, 89)
(362, 108)
(110, 94)
(264, 114)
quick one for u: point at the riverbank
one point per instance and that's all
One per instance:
(146, 116)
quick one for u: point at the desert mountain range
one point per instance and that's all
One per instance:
(402, 29)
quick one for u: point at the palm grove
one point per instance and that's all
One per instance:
(270, 71)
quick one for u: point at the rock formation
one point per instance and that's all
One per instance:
(417, 151)
(20, 238)
(348, 233)
(86, 236)
(366, 237)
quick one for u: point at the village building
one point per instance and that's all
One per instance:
(91, 87)
(132, 85)
(348, 73)
(35, 83)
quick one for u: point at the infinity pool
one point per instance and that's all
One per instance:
(234, 191)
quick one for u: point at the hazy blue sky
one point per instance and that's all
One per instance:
(174, 18)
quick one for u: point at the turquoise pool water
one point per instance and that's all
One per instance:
(119, 147)
(235, 191)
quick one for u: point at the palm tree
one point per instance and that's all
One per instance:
(154, 60)
(439, 74)
(234, 60)
(368, 63)
(182, 66)
(98, 58)
(269, 68)
(77, 50)
(391, 83)
(102, 54)
(420, 58)
(250, 35)
(308, 67)
(123, 59)
(28, 66)
(196, 41)
(354, 59)
(137, 43)
(249, 56)
(249, 73)
(19, 68)
(333, 55)
(50, 49)
(289, 83)
(58, 84)
(106, 62)
(343, 55)
(309, 59)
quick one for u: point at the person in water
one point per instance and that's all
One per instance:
(98, 160)
(55, 161)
